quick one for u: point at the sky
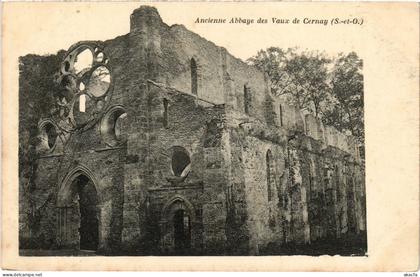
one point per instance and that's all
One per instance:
(50, 27)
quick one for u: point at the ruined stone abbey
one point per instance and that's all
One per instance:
(167, 144)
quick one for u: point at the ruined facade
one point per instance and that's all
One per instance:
(167, 144)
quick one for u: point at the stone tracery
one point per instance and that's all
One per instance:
(86, 77)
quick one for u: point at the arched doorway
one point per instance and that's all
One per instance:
(177, 227)
(79, 217)
(182, 231)
(88, 212)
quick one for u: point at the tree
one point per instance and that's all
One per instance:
(331, 89)
(273, 61)
(346, 111)
(301, 79)
(308, 88)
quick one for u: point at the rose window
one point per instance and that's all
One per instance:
(87, 82)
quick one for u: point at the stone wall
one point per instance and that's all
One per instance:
(185, 126)
(315, 193)
(261, 174)
(51, 194)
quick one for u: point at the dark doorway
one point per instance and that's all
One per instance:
(182, 232)
(88, 207)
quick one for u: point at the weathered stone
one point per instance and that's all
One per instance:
(250, 174)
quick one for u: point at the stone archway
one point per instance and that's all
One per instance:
(177, 227)
(182, 230)
(88, 213)
(78, 211)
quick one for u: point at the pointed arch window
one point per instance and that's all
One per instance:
(181, 162)
(270, 175)
(165, 112)
(281, 116)
(193, 67)
(247, 99)
(82, 103)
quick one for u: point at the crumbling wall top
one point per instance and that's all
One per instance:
(144, 16)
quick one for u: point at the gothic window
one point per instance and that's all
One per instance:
(82, 103)
(51, 133)
(194, 85)
(270, 174)
(165, 112)
(82, 107)
(281, 116)
(48, 135)
(113, 126)
(119, 127)
(180, 161)
(247, 99)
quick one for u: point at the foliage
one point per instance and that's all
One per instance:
(37, 91)
(329, 88)
(346, 111)
(299, 79)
